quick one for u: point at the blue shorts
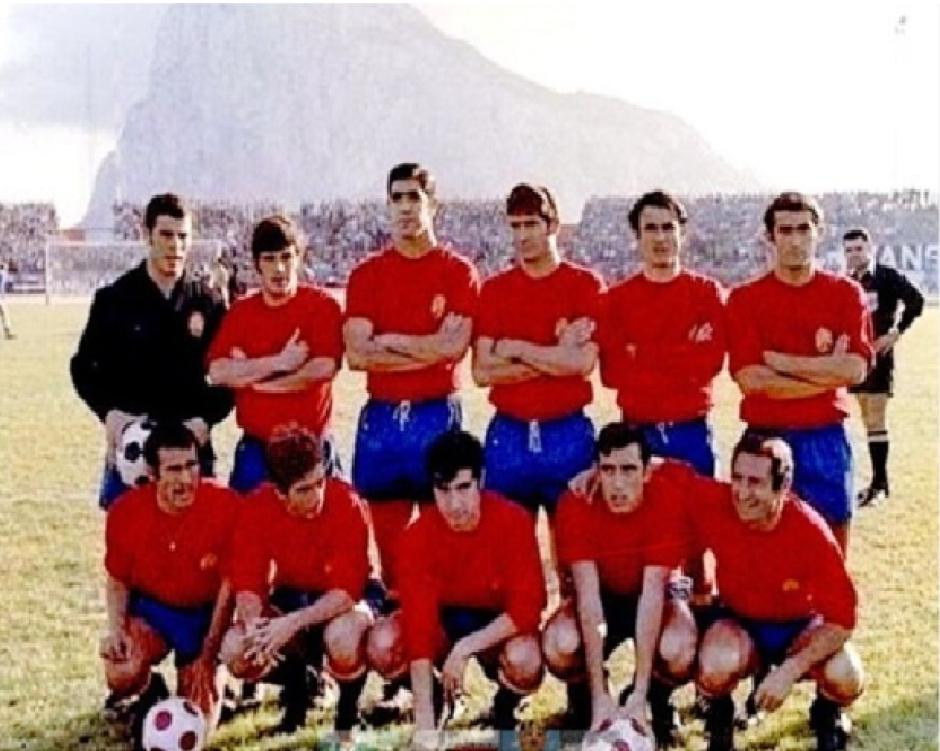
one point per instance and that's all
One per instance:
(183, 629)
(822, 474)
(250, 468)
(691, 442)
(459, 622)
(113, 486)
(392, 441)
(531, 462)
(772, 639)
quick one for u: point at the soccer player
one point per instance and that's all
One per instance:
(535, 349)
(4, 314)
(409, 310)
(663, 339)
(166, 552)
(623, 542)
(311, 531)
(787, 602)
(279, 350)
(142, 350)
(797, 337)
(471, 585)
(885, 288)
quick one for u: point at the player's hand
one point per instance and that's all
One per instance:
(114, 423)
(293, 355)
(199, 428)
(775, 688)
(202, 689)
(453, 333)
(841, 346)
(603, 708)
(115, 646)
(885, 342)
(577, 333)
(635, 709)
(237, 354)
(270, 635)
(453, 670)
(585, 482)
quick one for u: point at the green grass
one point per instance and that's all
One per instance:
(52, 610)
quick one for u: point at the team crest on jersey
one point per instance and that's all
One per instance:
(196, 323)
(790, 585)
(208, 561)
(438, 306)
(823, 340)
(701, 333)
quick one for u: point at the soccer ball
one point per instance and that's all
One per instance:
(131, 464)
(174, 724)
(620, 734)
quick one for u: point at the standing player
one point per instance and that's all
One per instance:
(279, 350)
(471, 585)
(663, 339)
(788, 605)
(535, 350)
(142, 350)
(4, 315)
(884, 288)
(797, 337)
(166, 551)
(409, 310)
(311, 532)
(622, 541)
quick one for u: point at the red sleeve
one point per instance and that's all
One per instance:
(227, 336)
(832, 593)
(464, 288)
(744, 343)
(526, 593)
(350, 559)
(361, 297)
(572, 535)
(858, 323)
(418, 591)
(487, 321)
(324, 332)
(590, 301)
(118, 560)
(250, 561)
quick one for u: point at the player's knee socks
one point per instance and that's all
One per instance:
(347, 708)
(579, 705)
(878, 450)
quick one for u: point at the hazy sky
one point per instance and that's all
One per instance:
(817, 95)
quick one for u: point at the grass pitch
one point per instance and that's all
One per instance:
(52, 611)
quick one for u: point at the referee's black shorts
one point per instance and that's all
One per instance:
(881, 378)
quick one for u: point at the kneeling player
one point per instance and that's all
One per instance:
(471, 585)
(621, 541)
(166, 544)
(312, 530)
(788, 604)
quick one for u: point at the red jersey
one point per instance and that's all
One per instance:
(793, 571)
(495, 566)
(662, 344)
(514, 305)
(769, 315)
(258, 330)
(621, 545)
(404, 295)
(325, 552)
(178, 559)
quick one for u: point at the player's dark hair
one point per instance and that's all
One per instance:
(774, 448)
(856, 233)
(273, 233)
(292, 453)
(526, 198)
(412, 171)
(658, 199)
(792, 201)
(164, 204)
(452, 452)
(619, 435)
(167, 434)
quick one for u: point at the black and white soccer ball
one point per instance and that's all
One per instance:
(174, 724)
(619, 734)
(131, 464)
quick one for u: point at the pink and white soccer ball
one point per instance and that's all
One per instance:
(131, 464)
(620, 734)
(174, 724)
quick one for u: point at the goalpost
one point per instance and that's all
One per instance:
(75, 268)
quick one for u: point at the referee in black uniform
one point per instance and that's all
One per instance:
(142, 350)
(885, 290)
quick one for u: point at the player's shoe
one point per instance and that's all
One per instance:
(873, 495)
(831, 725)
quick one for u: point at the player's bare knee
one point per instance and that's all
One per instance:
(232, 654)
(724, 657)
(842, 677)
(385, 647)
(126, 677)
(344, 643)
(677, 646)
(521, 664)
(561, 645)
